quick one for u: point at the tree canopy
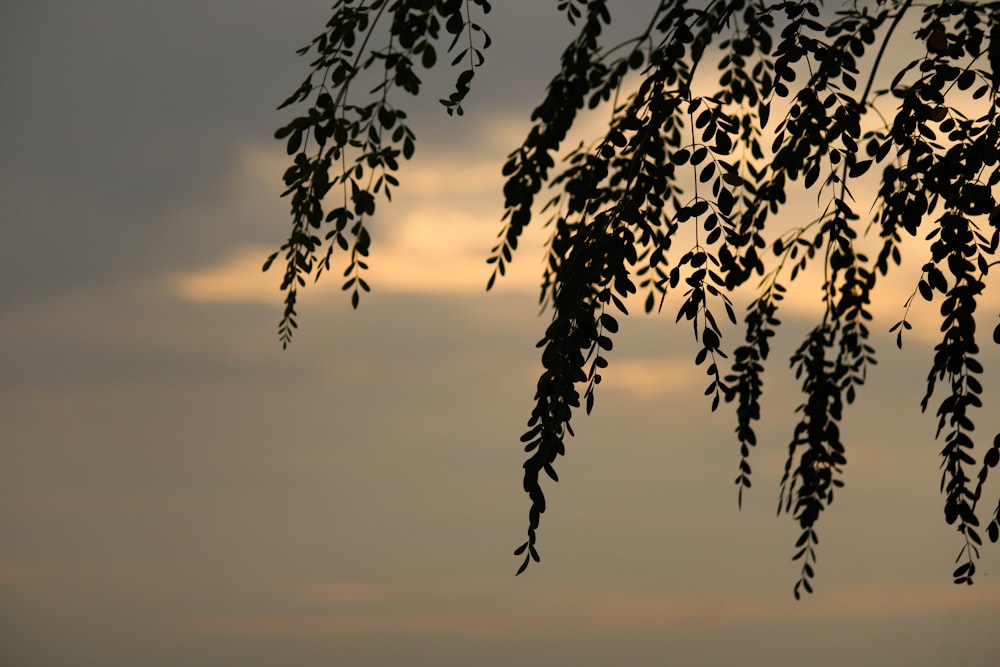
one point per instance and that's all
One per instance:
(720, 110)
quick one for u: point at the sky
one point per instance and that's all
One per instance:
(177, 489)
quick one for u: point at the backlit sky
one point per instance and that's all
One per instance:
(177, 490)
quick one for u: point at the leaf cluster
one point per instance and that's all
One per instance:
(720, 114)
(347, 146)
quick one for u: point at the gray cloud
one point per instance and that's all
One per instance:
(124, 115)
(121, 113)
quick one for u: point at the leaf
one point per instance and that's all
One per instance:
(938, 40)
(992, 457)
(462, 83)
(710, 339)
(294, 142)
(681, 156)
(455, 24)
(428, 57)
(925, 290)
(938, 114)
(859, 168)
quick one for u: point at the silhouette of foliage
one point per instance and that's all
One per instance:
(720, 108)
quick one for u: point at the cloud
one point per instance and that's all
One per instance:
(477, 624)
(494, 611)
(651, 377)
(236, 279)
(434, 237)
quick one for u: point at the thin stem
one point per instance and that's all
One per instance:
(881, 51)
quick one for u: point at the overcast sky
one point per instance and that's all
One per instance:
(177, 490)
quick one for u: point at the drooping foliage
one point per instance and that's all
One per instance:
(722, 109)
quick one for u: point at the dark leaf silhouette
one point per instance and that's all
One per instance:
(720, 110)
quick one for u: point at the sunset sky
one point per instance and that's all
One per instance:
(177, 490)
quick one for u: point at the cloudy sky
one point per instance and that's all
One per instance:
(176, 489)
